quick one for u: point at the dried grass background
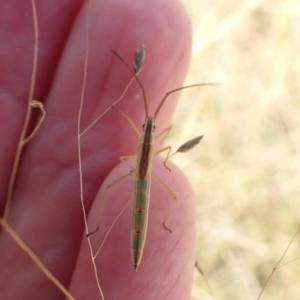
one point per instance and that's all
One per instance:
(245, 172)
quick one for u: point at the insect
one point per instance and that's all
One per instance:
(142, 182)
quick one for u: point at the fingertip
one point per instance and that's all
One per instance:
(167, 254)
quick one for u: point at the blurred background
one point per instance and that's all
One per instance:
(245, 172)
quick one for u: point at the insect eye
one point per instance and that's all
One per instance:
(144, 126)
(154, 127)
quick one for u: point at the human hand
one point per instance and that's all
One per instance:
(46, 211)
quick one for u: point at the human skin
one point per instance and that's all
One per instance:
(46, 211)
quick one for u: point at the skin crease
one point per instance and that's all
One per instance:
(46, 211)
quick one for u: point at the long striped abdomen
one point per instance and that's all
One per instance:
(140, 219)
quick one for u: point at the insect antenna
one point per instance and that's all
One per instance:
(136, 78)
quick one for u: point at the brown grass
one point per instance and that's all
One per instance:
(246, 171)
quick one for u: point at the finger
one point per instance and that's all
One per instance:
(16, 56)
(82, 274)
(17, 47)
